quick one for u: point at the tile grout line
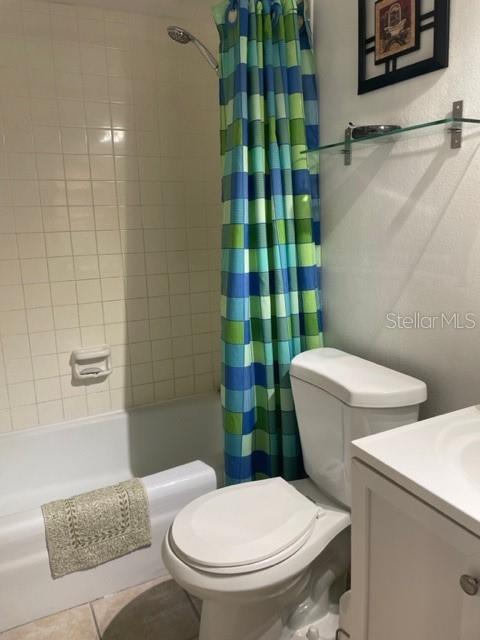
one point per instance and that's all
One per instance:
(95, 622)
(197, 614)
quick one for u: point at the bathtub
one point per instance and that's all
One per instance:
(176, 448)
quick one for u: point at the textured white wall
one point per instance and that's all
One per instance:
(401, 226)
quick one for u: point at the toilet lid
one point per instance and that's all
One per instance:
(244, 524)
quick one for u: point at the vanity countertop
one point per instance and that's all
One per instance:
(437, 460)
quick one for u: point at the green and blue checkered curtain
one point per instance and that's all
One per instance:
(271, 307)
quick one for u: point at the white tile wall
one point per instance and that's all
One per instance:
(109, 211)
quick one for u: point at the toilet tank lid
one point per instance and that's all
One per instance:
(355, 381)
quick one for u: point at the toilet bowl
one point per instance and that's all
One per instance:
(261, 578)
(263, 556)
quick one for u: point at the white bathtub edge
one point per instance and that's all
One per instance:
(24, 568)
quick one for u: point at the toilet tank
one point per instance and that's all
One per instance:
(339, 398)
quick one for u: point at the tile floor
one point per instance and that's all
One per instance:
(158, 610)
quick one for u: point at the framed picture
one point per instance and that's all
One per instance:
(397, 28)
(400, 39)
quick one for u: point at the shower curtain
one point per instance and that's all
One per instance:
(271, 308)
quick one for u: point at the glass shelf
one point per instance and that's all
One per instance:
(453, 125)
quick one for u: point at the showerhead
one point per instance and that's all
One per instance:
(179, 35)
(182, 36)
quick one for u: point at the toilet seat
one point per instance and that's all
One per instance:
(246, 568)
(244, 528)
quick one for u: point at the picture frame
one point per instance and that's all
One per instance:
(397, 28)
(408, 38)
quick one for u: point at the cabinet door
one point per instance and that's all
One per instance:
(407, 561)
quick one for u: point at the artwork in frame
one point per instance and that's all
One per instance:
(400, 39)
(397, 28)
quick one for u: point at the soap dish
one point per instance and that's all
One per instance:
(91, 363)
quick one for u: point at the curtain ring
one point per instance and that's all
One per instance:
(231, 13)
(301, 14)
(276, 10)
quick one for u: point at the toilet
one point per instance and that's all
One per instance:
(270, 558)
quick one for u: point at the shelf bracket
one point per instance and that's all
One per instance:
(347, 150)
(456, 130)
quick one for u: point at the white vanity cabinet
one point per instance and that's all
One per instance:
(408, 559)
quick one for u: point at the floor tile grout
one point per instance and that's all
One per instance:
(189, 598)
(95, 622)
